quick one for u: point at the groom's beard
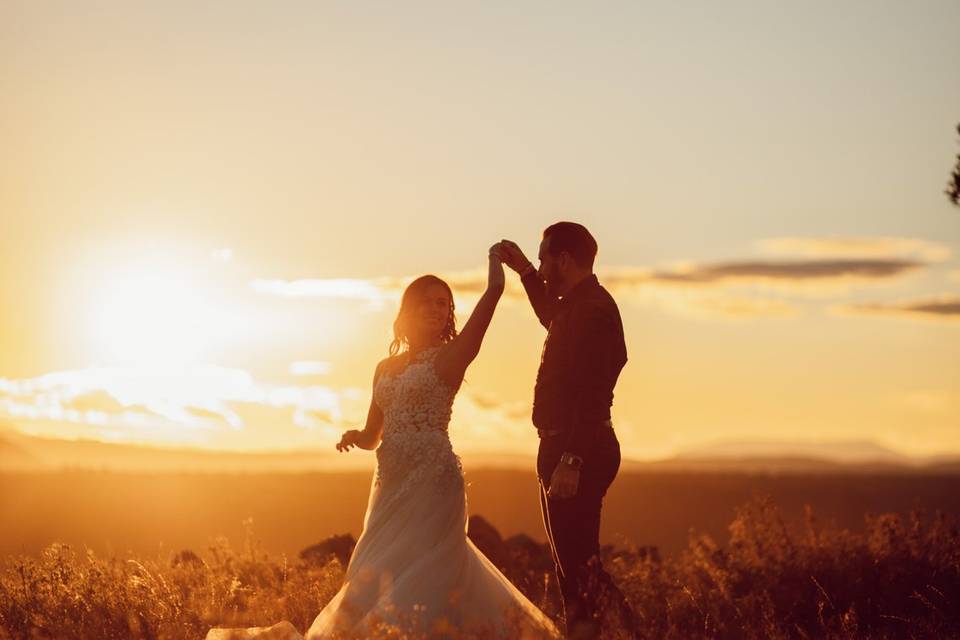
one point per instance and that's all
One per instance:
(554, 284)
(552, 288)
(551, 282)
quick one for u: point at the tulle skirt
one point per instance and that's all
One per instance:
(414, 568)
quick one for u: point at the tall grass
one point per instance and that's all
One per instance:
(899, 578)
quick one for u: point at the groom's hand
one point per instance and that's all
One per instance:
(563, 482)
(513, 256)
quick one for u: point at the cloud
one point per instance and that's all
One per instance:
(855, 247)
(707, 304)
(310, 368)
(830, 266)
(366, 291)
(740, 289)
(790, 274)
(97, 400)
(926, 400)
(187, 400)
(115, 395)
(377, 293)
(743, 307)
(483, 400)
(784, 274)
(483, 422)
(206, 405)
(223, 254)
(945, 307)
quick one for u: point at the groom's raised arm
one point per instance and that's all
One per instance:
(544, 305)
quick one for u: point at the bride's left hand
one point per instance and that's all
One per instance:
(348, 440)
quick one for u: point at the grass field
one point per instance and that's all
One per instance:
(898, 579)
(147, 513)
(767, 575)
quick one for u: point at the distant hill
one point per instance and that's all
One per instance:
(37, 453)
(779, 456)
(149, 511)
(844, 451)
(22, 452)
(15, 457)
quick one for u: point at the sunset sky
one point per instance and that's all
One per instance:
(209, 211)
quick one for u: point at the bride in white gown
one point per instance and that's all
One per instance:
(413, 567)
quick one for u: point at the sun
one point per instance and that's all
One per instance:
(155, 315)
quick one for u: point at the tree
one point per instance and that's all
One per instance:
(953, 187)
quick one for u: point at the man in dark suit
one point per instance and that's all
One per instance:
(579, 453)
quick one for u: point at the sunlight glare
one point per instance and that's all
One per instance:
(155, 316)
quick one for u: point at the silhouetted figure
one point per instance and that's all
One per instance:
(579, 453)
(953, 187)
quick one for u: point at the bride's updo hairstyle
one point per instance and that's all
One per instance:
(402, 326)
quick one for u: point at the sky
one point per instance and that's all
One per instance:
(209, 211)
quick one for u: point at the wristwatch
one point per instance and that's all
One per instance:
(572, 460)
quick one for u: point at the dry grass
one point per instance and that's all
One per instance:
(898, 579)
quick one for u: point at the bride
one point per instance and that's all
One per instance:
(413, 567)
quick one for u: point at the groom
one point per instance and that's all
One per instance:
(579, 452)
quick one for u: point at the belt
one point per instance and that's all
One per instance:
(551, 433)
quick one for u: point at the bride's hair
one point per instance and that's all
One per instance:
(411, 296)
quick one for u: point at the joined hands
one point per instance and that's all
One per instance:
(512, 255)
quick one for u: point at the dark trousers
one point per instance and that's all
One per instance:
(573, 529)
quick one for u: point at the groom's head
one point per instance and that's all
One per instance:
(567, 252)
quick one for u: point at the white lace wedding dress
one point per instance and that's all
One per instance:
(413, 566)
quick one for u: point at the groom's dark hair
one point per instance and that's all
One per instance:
(574, 239)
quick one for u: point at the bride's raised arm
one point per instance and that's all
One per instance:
(453, 361)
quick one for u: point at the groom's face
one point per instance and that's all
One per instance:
(549, 270)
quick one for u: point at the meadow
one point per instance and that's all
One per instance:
(898, 578)
(149, 513)
(748, 555)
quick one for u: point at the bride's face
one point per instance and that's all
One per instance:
(432, 311)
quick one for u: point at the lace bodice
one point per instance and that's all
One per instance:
(416, 399)
(415, 448)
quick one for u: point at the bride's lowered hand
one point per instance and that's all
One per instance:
(369, 437)
(349, 440)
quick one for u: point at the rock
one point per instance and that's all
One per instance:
(339, 547)
(486, 537)
(530, 554)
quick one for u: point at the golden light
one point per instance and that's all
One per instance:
(156, 315)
